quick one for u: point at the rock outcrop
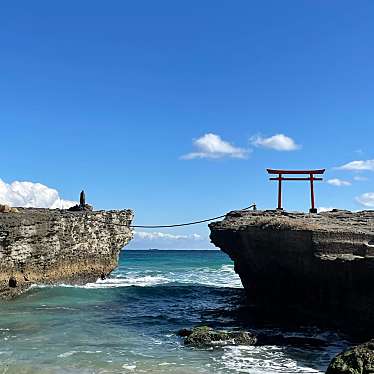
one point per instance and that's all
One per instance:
(319, 266)
(204, 336)
(356, 360)
(44, 246)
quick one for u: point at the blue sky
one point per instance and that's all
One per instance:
(171, 108)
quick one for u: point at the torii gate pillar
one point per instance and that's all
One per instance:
(311, 178)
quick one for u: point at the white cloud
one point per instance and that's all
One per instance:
(338, 182)
(213, 146)
(162, 240)
(161, 235)
(277, 142)
(366, 199)
(358, 165)
(29, 194)
(360, 178)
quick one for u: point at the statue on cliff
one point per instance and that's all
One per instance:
(82, 199)
(82, 204)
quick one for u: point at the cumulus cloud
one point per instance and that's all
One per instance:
(366, 199)
(213, 146)
(338, 182)
(278, 142)
(358, 165)
(162, 240)
(29, 194)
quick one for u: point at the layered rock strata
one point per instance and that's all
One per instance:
(320, 266)
(44, 246)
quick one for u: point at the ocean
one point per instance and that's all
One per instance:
(128, 322)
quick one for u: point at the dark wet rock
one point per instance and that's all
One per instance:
(47, 246)
(204, 336)
(184, 333)
(12, 282)
(356, 360)
(305, 268)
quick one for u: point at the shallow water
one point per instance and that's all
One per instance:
(127, 323)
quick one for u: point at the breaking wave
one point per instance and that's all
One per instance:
(224, 276)
(127, 322)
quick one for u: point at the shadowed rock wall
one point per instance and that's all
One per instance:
(293, 265)
(54, 246)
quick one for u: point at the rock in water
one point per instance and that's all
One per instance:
(357, 360)
(45, 246)
(314, 267)
(204, 336)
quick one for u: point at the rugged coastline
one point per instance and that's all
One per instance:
(47, 246)
(316, 268)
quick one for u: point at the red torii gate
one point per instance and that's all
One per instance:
(311, 178)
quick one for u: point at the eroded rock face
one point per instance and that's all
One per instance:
(357, 360)
(317, 265)
(52, 246)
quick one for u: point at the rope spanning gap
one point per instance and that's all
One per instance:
(188, 223)
(175, 225)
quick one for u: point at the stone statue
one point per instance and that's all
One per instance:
(82, 199)
(82, 204)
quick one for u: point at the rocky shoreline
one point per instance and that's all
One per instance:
(315, 269)
(311, 268)
(45, 246)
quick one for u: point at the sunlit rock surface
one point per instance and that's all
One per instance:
(45, 246)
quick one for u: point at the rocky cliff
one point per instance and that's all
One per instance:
(319, 266)
(44, 246)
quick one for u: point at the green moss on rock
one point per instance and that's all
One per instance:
(206, 336)
(357, 360)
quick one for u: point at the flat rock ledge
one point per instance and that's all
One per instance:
(45, 246)
(319, 267)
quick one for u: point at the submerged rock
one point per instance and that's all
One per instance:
(304, 268)
(204, 336)
(357, 360)
(45, 246)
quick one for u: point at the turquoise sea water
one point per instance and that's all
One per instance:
(127, 323)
